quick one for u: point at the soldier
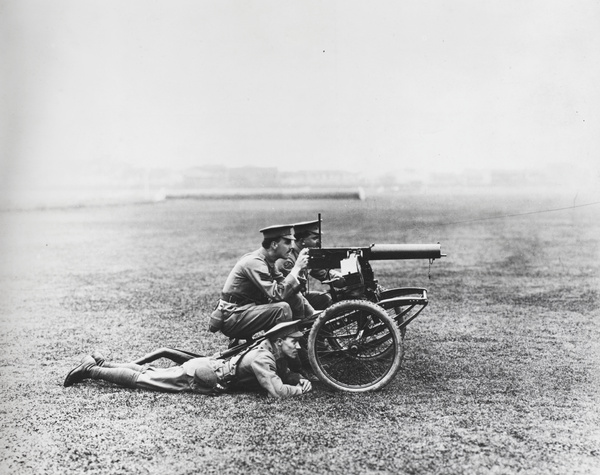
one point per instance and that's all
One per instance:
(308, 235)
(256, 296)
(263, 367)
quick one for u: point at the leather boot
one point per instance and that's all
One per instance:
(99, 357)
(125, 377)
(80, 372)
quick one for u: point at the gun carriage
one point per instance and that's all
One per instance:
(356, 344)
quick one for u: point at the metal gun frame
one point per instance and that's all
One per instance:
(357, 344)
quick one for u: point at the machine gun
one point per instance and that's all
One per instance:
(357, 343)
(355, 266)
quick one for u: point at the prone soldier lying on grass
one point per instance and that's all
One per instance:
(262, 367)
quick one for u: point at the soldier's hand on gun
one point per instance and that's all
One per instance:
(302, 260)
(301, 263)
(306, 385)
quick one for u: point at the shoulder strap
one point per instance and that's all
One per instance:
(229, 369)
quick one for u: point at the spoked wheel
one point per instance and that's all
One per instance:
(355, 346)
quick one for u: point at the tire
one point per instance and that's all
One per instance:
(355, 346)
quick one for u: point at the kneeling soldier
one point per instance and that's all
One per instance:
(256, 296)
(262, 367)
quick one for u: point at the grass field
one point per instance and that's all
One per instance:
(501, 373)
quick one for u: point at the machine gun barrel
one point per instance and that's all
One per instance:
(379, 252)
(330, 258)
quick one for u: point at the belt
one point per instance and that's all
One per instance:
(236, 299)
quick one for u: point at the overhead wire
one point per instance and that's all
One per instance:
(518, 214)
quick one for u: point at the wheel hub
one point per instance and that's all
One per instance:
(354, 348)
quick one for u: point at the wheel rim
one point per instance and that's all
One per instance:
(355, 347)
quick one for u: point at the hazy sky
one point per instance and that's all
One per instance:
(300, 84)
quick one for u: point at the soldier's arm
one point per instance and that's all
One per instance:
(264, 369)
(258, 273)
(325, 274)
(284, 266)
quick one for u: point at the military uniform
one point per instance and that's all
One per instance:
(318, 300)
(262, 367)
(256, 296)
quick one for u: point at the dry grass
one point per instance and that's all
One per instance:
(500, 376)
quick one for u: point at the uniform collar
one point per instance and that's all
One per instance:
(263, 252)
(267, 345)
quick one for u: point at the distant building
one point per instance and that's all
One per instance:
(320, 178)
(217, 176)
(251, 177)
(209, 176)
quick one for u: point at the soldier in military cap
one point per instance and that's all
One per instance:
(256, 296)
(308, 235)
(267, 365)
(263, 367)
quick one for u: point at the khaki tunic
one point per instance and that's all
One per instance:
(262, 366)
(262, 297)
(256, 279)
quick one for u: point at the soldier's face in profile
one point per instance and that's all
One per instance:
(283, 247)
(289, 347)
(312, 240)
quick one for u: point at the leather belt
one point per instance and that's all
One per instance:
(235, 299)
